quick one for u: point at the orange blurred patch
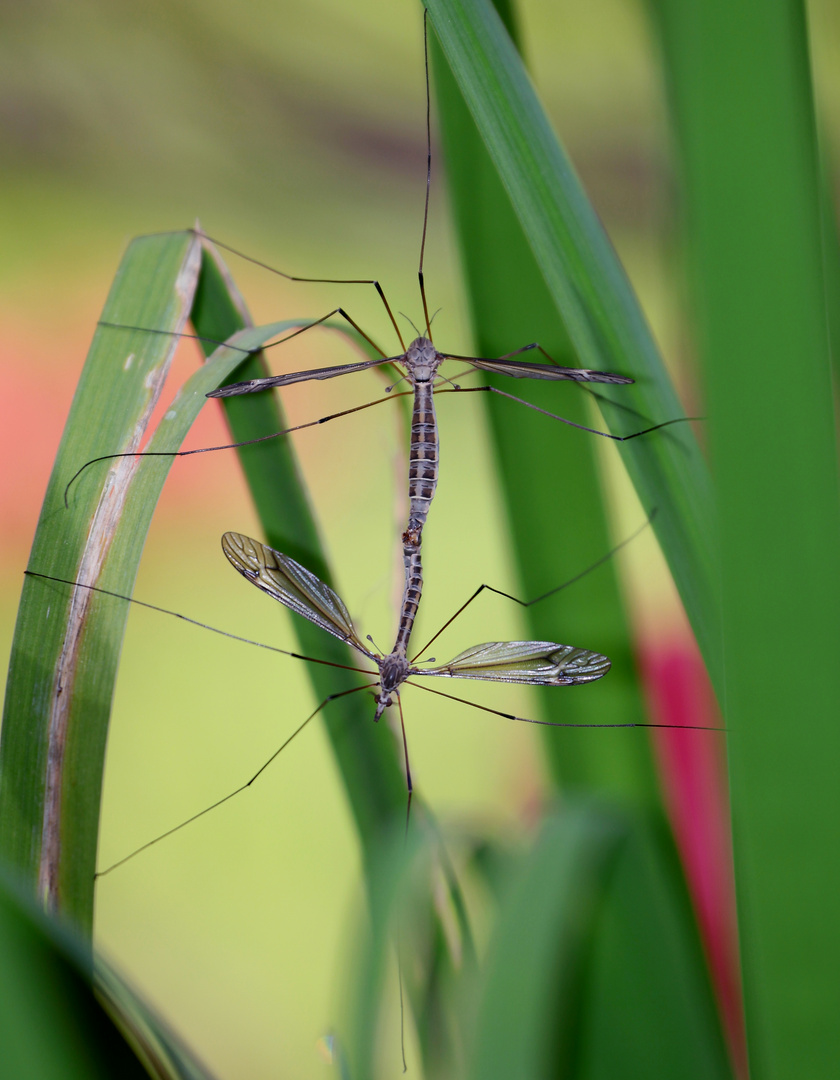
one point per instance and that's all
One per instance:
(33, 408)
(40, 362)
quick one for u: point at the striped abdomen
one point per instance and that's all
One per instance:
(411, 597)
(422, 460)
(421, 360)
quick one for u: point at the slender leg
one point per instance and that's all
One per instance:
(409, 784)
(552, 723)
(545, 595)
(247, 352)
(405, 841)
(230, 446)
(236, 791)
(562, 419)
(323, 281)
(195, 622)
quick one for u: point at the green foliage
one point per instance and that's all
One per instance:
(51, 1025)
(590, 293)
(741, 93)
(557, 534)
(593, 966)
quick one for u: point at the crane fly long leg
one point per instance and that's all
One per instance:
(196, 622)
(255, 349)
(236, 791)
(231, 446)
(551, 592)
(316, 281)
(553, 723)
(181, 334)
(408, 780)
(552, 363)
(563, 419)
(420, 277)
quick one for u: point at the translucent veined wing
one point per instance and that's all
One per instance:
(540, 663)
(524, 369)
(293, 585)
(252, 386)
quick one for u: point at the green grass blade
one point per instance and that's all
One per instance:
(51, 1025)
(403, 930)
(741, 89)
(591, 295)
(367, 756)
(556, 533)
(594, 967)
(63, 1019)
(65, 650)
(161, 1050)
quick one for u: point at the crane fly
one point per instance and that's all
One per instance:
(528, 663)
(418, 364)
(531, 663)
(534, 663)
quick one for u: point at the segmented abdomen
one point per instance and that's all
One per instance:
(423, 458)
(422, 481)
(411, 597)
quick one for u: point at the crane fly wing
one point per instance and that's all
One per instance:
(539, 663)
(252, 386)
(524, 369)
(293, 585)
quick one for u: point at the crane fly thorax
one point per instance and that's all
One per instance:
(422, 360)
(393, 671)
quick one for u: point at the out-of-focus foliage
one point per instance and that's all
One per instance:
(296, 131)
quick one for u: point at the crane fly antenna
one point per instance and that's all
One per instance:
(411, 321)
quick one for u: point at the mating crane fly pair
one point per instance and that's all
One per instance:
(419, 362)
(531, 662)
(538, 663)
(535, 662)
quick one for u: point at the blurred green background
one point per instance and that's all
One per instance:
(294, 132)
